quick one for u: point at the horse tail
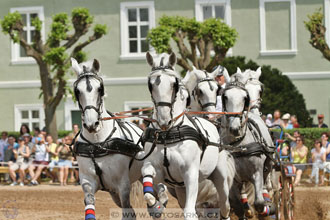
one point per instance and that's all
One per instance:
(136, 195)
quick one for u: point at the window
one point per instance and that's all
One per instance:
(279, 38)
(136, 19)
(213, 9)
(129, 106)
(18, 55)
(30, 115)
(205, 9)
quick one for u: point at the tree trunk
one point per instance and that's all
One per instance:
(50, 121)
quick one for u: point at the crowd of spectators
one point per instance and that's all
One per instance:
(40, 155)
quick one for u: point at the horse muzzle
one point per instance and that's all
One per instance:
(92, 127)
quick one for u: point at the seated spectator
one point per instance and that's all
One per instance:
(22, 157)
(294, 121)
(293, 139)
(24, 129)
(318, 158)
(40, 161)
(64, 154)
(320, 124)
(269, 120)
(52, 150)
(285, 122)
(36, 132)
(299, 155)
(3, 143)
(277, 118)
(9, 156)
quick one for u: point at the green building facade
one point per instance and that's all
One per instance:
(271, 32)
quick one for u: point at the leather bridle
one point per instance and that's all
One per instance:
(98, 107)
(196, 91)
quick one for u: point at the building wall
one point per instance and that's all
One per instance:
(245, 18)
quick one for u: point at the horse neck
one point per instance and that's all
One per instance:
(106, 128)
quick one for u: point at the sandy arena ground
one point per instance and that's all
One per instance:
(50, 202)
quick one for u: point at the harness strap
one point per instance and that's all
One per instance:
(98, 171)
(72, 143)
(166, 164)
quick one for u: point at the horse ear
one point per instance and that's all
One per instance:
(150, 60)
(258, 73)
(226, 75)
(239, 70)
(96, 65)
(75, 66)
(194, 68)
(172, 59)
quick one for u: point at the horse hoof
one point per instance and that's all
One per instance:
(248, 213)
(162, 195)
(156, 210)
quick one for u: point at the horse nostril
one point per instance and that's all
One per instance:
(97, 124)
(169, 122)
(85, 126)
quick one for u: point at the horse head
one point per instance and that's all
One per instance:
(89, 92)
(204, 90)
(254, 87)
(163, 84)
(235, 98)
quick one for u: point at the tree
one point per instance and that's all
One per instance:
(53, 56)
(279, 92)
(203, 38)
(317, 29)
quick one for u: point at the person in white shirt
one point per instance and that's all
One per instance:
(220, 78)
(318, 157)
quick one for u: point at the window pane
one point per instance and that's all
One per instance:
(35, 114)
(144, 31)
(220, 12)
(207, 12)
(144, 15)
(32, 36)
(35, 125)
(132, 46)
(132, 14)
(22, 51)
(25, 114)
(32, 16)
(132, 31)
(144, 46)
(24, 19)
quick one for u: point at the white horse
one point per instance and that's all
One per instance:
(176, 161)
(104, 149)
(203, 90)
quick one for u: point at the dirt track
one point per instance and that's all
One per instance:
(54, 202)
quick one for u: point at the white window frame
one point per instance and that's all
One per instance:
(293, 30)
(125, 54)
(199, 14)
(15, 47)
(327, 20)
(28, 107)
(128, 105)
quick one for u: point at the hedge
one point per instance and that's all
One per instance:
(61, 133)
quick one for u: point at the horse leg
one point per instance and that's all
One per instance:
(155, 208)
(191, 183)
(89, 187)
(235, 201)
(244, 200)
(115, 197)
(124, 190)
(220, 180)
(259, 202)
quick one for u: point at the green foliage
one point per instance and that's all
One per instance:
(215, 30)
(9, 23)
(159, 38)
(221, 34)
(80, 56)
(280, 93)
(59, 29)
(313, 25)
(56, 57)
(100, 30)
(81, 16)
(36, 23)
